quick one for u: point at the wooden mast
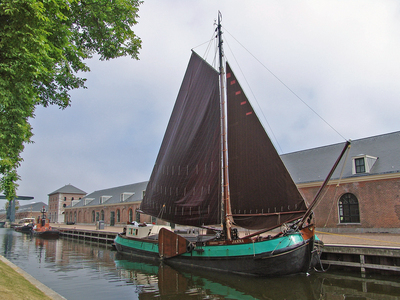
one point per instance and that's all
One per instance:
(225, 209)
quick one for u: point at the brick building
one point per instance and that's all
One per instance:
(363, 195)
(60, 199)
(114, 206)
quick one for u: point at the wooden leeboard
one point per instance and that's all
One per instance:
(171, 244)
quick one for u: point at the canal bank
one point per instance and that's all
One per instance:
(19, 288)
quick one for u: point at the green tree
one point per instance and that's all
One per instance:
(43, 45)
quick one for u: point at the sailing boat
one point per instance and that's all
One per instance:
(192, 185)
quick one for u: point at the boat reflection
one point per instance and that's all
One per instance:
(160, 280)
(165, 281)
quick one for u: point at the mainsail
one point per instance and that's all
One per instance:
(185, 185)
(262, 193)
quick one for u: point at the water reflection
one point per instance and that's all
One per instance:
(79, 270)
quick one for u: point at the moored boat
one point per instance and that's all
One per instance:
(43, 229)
(192, 185)
(25, 225)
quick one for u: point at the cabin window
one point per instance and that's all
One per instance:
(348, 209)
(360, 165)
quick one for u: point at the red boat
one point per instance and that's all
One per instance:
(43, 229)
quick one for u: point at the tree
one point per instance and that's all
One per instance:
(43, 45)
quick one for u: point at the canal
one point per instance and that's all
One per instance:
(79, 270)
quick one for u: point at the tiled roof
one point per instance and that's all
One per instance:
(68, 189)
(314, 164)
(133, 193)
(34, 207)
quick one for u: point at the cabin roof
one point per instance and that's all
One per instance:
(314, 164)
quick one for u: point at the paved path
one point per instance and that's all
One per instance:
(367, 239)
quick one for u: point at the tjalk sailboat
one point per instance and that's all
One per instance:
(191, 184)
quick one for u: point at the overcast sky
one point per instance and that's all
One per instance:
(342, 58)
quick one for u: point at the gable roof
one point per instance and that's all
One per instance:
(34, 207)
(68, 189)
(314, 164)
(134, 193)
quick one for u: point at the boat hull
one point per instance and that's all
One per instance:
(24, 229)
(48, 234)
(277, 257)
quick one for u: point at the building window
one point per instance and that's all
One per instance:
(137, 216)
(118, 216)
(65, 198)
(130, 214)
(360, 165)
(348, 209)
(93, 216)
(102, 215)
(97, 216)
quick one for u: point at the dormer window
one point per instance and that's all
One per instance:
(125, 196)
(363, 164)
(86, 201)
(360, 165)
(103, 199)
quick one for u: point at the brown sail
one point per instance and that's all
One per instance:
(262, 193)
(185, 185)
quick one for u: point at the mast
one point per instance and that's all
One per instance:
(225, 207)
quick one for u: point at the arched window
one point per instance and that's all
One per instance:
(348, 209)
(130, 215)
(93, 216)
(118, 216)
(74, 217)
(102, 215)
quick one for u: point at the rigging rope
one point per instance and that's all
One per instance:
(285, 85)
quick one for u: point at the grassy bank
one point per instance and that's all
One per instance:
(14, 286)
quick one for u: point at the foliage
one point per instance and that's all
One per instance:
(43, 45)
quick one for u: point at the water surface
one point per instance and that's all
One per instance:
(79, 270)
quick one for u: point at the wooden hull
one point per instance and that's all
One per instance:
(276, 257)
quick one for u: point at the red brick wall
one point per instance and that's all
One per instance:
(84, 214)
